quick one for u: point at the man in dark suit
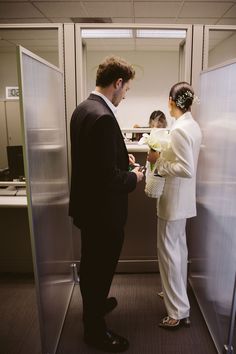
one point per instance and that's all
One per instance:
(100, 184)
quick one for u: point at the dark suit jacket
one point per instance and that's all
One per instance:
(100, 180)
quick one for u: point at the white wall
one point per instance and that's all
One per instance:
(8, 72)
(156, 72)
(226, 50)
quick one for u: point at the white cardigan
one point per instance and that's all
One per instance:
(178, 200)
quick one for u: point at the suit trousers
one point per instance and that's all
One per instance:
(101, 248)
(172, 255)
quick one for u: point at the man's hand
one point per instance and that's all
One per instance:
(153, 156)
(138, 173)
(131, 159)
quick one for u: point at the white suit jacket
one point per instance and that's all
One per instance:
(178, 200)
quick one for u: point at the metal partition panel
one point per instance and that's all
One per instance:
(219, 45)
(212, 233)
(43, 119)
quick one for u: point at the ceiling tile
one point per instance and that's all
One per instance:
(77, 1)
(14, 1)
(122, 20)
(197, 21)
(208, 9)
(200, 1)
(61, 9)
(155, 20)
(231, 12)
(157, 1)
(113, 1)
(159, 9)
(226, 21)
(24, 20)
(61, 19)
(18, 10)
(108, 9)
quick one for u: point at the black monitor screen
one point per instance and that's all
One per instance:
(15, 161)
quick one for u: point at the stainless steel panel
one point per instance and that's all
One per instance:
(43, 111)
(212, 233)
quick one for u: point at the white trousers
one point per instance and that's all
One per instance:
(172, 255)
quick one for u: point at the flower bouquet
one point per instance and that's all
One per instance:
(158, 140)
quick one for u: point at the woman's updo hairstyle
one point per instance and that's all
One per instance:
(182, 94)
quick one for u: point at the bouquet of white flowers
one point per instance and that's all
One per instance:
(158, 140)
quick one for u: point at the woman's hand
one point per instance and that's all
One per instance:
(153, 156)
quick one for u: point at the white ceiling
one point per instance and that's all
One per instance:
(222, 12)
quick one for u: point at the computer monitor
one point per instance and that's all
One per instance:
(15, 161)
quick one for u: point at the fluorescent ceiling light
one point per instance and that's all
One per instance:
(106, 33)
(157, 33)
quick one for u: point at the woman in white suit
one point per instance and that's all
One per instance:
(177, 203)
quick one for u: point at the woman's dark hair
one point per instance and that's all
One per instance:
(113, 68)
(157, 116)
(182, 94)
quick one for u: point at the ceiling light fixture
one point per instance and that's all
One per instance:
(106, 33)
(157, 33)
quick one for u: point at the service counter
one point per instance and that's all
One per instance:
(140, 247)
(139, 253)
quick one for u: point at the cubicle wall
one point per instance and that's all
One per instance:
(43, 120)
(212, 232)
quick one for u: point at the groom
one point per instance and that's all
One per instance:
(100, 184)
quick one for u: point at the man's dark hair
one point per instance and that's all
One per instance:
(113, 68)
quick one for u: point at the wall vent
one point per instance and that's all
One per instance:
(91, 19)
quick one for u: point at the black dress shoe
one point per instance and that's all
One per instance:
(170, 323)
(108, 342)
(110, 304)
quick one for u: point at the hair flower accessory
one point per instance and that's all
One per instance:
(181, 100)
(196, 99)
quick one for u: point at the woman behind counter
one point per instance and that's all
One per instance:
(176, 204)
(157, 119)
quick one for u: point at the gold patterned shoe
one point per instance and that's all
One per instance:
(161, 294)
(170, 323)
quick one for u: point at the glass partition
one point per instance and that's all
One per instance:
(45, 41)
(219, 45)
(212, 232)
(45, 153)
